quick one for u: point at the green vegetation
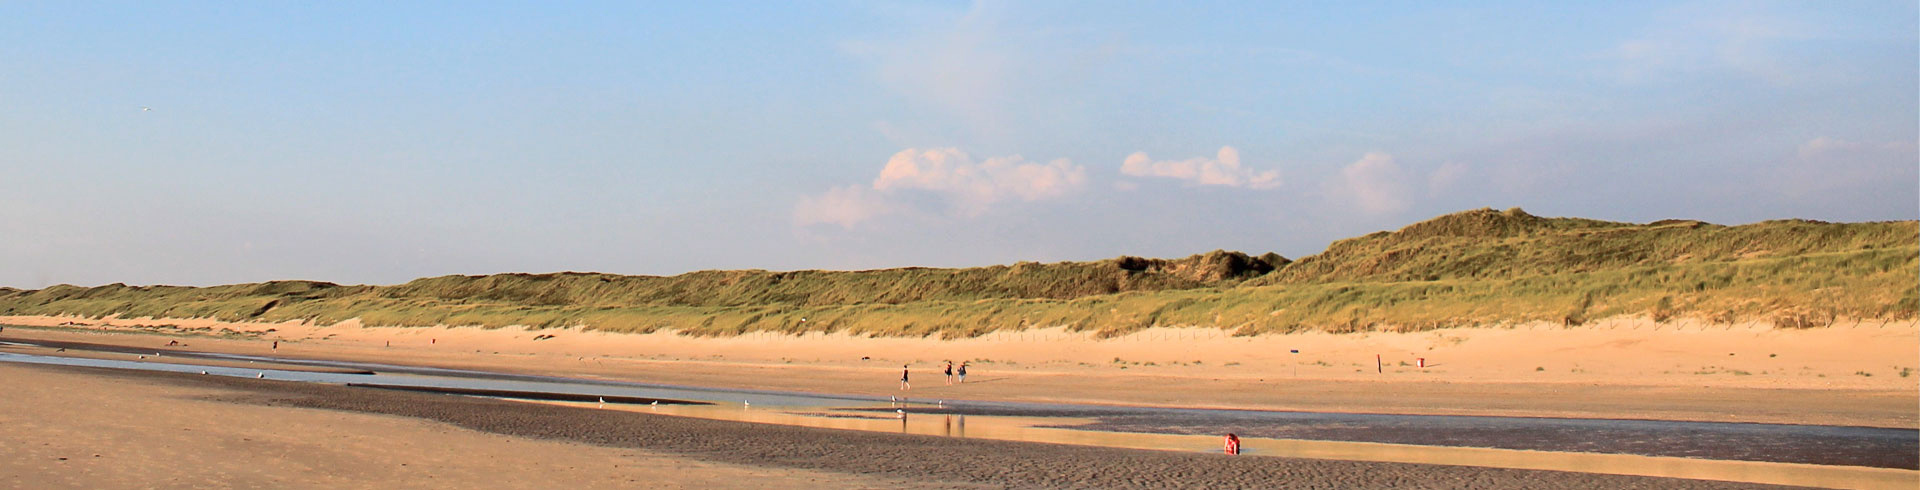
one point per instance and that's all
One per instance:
(1470, 268)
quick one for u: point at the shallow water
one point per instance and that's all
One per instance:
(1811, 444)
(1652, 448)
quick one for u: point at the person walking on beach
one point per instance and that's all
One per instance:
(949, 373)
(963, 372)
(903, 378)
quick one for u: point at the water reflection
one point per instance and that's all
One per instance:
(1052, 430)
(1068, 424)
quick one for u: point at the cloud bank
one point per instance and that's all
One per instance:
(1222, 170)
(969, 188)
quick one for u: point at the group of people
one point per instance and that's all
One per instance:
(953, 376)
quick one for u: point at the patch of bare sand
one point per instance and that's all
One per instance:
(1854, 373)
(65, 430)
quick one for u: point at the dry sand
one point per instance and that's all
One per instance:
(86, 427)
(78, 428)
(1855, 373)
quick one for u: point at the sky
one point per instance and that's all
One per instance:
(200, 143)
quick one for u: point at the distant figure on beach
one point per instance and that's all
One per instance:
(903, 378)
(949, 373)
(276, 345)
(1233, 444)
(171, 343)
(963, 372)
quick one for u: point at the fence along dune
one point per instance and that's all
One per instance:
(1475, 267)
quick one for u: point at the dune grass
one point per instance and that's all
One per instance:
(1472, 268)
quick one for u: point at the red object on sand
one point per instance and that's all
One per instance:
(1423, 362)
(1233, 444)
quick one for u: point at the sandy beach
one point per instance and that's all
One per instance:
(206, 428)
(67, 428)
(89, 428)
(1855, 374)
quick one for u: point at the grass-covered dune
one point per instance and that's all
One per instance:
(1473, 267)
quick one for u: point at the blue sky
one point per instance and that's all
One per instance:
(360, 142)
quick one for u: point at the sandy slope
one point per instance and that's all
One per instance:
(1851, 374)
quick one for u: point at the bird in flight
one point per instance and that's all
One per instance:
(146, 109)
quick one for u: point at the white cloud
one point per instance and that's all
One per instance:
(845, 206)
(1445, 177)
(973, 187)
(969, 188)
(1222, 170)
(1375, 183)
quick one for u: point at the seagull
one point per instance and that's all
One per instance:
(603, 402)
(203, 372)
(655, 403)
(900, 413)
(260, 376)
(146, 109)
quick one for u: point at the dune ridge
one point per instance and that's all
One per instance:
(1477, 267)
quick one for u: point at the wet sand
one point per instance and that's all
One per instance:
(1614, 370)
(93, 428)
(172, 355)
(523, 444)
